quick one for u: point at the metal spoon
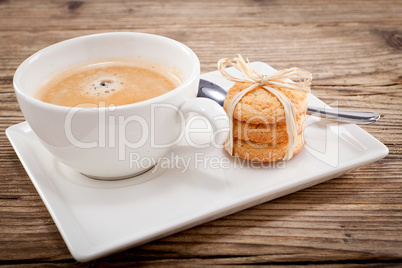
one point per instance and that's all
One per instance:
(214, 92)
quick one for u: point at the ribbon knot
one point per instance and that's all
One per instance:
(264, 80)
(272, 83)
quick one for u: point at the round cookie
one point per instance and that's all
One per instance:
(265, 152)
(260, 106)
(265, 133)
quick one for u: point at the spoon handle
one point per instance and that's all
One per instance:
(345, 116)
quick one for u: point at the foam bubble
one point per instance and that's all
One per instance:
(103, 86)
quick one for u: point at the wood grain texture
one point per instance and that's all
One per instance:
(353, 49)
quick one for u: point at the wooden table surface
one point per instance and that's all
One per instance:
(352, 48)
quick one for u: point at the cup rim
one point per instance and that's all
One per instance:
(194, 74)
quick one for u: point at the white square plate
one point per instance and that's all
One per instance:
(97, 218)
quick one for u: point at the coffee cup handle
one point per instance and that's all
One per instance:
(213, 112)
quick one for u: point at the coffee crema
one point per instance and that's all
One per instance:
(108, 82)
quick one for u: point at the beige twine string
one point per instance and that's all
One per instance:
(272, 83)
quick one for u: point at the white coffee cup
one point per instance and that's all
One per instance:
(98, 142)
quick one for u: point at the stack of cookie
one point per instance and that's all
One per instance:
(259, 124)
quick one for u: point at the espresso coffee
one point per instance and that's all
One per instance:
(108, 82)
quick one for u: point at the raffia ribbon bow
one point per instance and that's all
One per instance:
(272, 83)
